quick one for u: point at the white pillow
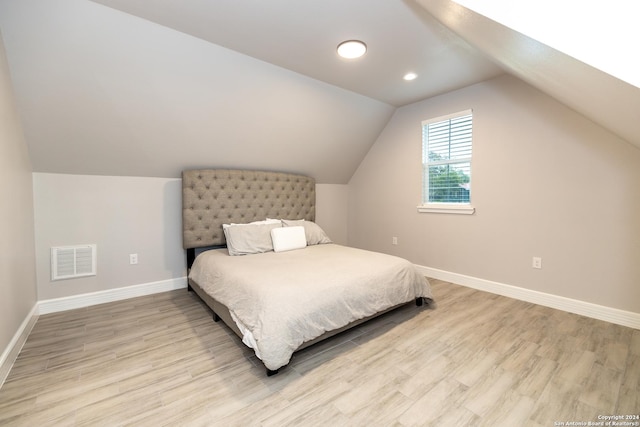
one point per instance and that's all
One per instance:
(288, 238)
(264, 221)
(314, 234)
(245, 239)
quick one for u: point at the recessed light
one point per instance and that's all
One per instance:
(410, 76)
(351, 49)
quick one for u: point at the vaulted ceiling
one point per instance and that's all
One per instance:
(148, 88)
(303, 36)
(605, 99)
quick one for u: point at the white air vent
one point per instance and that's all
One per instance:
(73, 261)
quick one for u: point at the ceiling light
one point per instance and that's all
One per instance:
(351, 49)
(410, 76)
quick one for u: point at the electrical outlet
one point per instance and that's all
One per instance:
(133, 259)
(394, 240)
(537, 262)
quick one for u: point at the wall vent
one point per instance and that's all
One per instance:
(68, 262)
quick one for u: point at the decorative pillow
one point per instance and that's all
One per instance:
(313, 233)
(288, 238)
(245, 239)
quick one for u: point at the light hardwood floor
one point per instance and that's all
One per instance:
(471, 359)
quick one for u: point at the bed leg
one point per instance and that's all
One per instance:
(419, 301)
(189, 288)
(271, 373)
(216, 318)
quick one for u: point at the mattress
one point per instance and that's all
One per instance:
(280, 300)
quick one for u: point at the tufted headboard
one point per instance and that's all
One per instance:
(212, 197)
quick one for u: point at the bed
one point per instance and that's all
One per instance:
(257, 258)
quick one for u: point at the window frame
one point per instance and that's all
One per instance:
(442, 207)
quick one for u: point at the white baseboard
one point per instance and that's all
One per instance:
(595, 311)
(109, 295)
(10, 354)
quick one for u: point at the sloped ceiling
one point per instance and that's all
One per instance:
(104, 92)
(607, 100)
(152, 87)
(302, 36)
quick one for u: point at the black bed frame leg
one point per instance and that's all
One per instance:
(419, 301)
(216, 318)
(271, 373)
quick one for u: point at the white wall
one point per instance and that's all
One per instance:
(546, 182)
(125, 215)
(332, 210)
(17, 254)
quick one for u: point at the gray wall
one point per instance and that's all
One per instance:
(121, 215)
(17, 259)
(547, 182)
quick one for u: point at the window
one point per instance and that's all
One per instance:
(446, 163)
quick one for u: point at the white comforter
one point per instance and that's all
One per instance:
(281, 300)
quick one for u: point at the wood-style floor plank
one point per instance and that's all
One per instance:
(469, 359)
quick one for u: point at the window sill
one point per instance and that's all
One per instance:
(447, 209)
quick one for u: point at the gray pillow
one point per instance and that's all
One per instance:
(246, 239)
(314, 233)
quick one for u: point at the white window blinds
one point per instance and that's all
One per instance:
(446, 158)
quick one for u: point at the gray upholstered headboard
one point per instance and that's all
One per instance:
(212, 197)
